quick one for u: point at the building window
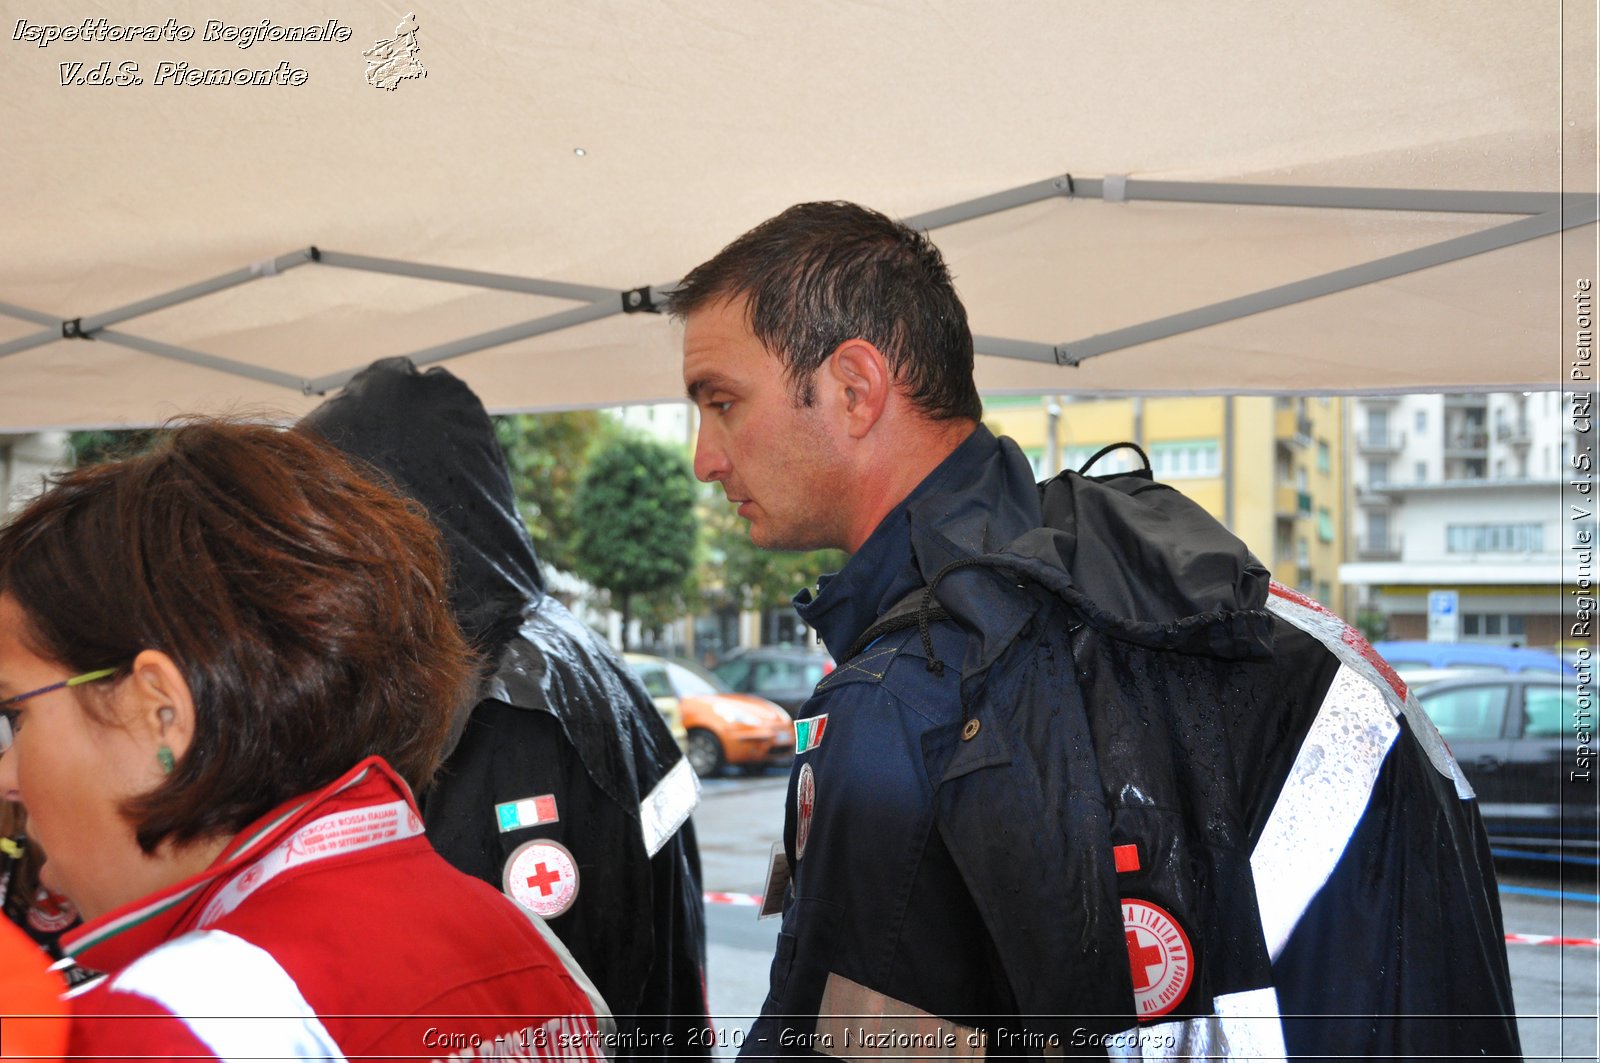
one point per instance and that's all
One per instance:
(1494, 538)
(1422, 421)
(1324, 459)
(1422, 472)
(1324, 525)
(1377, 473)
(1185, 459)
(1123, 459)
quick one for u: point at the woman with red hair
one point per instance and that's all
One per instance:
(225, 668)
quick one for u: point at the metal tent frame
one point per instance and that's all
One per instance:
(1542, 214)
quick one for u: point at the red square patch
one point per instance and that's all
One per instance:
(1127, 858)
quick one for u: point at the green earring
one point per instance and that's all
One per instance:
(164, 757)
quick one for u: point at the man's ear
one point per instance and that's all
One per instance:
(858, 376)
(159, 703)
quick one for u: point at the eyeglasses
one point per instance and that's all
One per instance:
(8, 715)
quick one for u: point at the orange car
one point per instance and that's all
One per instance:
(724, 728)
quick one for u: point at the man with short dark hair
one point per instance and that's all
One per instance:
(1085, 780)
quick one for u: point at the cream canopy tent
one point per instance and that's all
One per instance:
(1252, 197)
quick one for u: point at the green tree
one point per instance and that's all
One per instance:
(93, 447)
(1373, 625)
(547, 454)
(636, 525)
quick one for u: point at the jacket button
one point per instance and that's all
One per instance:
(969, 730)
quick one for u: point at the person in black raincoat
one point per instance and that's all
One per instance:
(1085, 781)
(565, 787)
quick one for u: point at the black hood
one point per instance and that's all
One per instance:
(432, 439)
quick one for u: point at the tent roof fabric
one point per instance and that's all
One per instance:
(608, 146)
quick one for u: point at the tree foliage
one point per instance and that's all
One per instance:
(93, 447)
(547, 454)
(636, 526)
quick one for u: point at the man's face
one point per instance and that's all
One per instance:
(778, 462)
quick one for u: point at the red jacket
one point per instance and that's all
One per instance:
(328, 929)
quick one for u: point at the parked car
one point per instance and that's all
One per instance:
(666, 704)
(785, 676)
(1518, 739)
(724, 728)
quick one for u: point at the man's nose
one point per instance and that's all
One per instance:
(710, 460)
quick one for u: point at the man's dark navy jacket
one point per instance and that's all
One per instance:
(1111, 790)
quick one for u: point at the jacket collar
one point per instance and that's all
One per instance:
(121, 936)
(978, 499)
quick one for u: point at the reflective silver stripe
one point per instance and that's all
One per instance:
(233, 996)
(855, 1022)
(1244, 1026)
(1331, 631)
(1321, 802)
(667, 806)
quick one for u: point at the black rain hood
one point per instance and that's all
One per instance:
(558, 713)
(431, 437)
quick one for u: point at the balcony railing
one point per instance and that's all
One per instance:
(1292, 426)
(1467, 441)
(1380, 442)
(1378, 548)
(1517, 433)
(1289, 501)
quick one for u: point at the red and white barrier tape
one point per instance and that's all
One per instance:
(1551, 939)
(746, 900)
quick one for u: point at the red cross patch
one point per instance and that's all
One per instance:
(1160, 957)
(542, 876)
(805, 802)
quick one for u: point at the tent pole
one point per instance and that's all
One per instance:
(510, 334)
(1421, 200)
(22, 313)
(209, 361)
(95, 322)
(28, 343)
(1490, 239)
(505, 282)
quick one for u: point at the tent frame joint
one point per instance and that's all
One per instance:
(72, 329)
(639, 301)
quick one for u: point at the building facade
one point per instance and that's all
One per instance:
(25, 462)
(1272, 470)
(1460, 493)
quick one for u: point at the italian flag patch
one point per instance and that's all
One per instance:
(529, 812)
(808, 733)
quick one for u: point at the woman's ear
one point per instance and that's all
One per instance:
(158, 704)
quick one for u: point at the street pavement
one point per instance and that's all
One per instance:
(737, 823)
(1555, 985)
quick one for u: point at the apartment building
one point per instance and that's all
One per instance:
(25, 461)
(1460, 493)
(1271, 469)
